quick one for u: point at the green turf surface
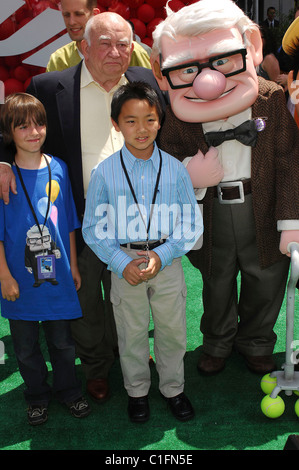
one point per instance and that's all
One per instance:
(227, 406)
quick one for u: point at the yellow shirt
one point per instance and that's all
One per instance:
(68, 56)
(99, 139)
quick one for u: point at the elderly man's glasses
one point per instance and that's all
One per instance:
(229, 64)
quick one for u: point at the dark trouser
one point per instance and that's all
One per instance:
(95, 333)
(246, 322)
(32, 366)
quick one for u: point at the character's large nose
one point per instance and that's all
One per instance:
(209, 84)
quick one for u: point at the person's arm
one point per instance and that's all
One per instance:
(7, 182)
(7, 178)
(9, 286)
(73, 261)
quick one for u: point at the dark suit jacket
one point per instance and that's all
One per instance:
(265, 23)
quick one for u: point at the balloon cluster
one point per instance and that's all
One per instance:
(144, 14)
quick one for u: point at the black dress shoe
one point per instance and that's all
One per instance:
(180, 407)
(138, 409)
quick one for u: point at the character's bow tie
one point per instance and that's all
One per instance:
(246, 133)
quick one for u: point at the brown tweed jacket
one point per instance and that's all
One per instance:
(274, 171)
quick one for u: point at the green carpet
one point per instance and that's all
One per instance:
(227, 406)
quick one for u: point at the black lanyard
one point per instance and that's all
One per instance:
(133, 192)
(28, 198)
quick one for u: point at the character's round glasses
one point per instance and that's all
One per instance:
(183, 76)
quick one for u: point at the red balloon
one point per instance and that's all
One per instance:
(133, 3)
(139, 26)
(12, 61)
(7, 28)
(21, 73)
(13, 86)
(27, 82)
(120, 8)
(4, 73)
(42, 5)
(146, 13)
(175, 5)
(104, 3)
(160, 13)
(152, 26)
(156, 3)
(22, 13)
(148, 41)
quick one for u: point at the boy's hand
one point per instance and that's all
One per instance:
(132, 273)
(10, 289)
(153, 267)
(76, 276)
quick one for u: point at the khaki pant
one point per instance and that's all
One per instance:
(166, 296)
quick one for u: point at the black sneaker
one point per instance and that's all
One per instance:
(79, 408)
(180, 407)
(37, 414)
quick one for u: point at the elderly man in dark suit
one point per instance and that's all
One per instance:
(77, 101)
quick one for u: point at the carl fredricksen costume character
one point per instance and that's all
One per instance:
(205, 55)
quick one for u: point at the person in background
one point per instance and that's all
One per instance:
(270, 21)
(75, 14)
(269, 68)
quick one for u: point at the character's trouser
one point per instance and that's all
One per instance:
(94, 333)
(246, 321)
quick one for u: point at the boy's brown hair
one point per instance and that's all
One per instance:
(19, 109)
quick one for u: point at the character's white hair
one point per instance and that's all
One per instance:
(199, 18)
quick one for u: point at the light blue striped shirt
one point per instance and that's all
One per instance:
(112, 218)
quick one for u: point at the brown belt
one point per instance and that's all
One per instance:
(233, 192)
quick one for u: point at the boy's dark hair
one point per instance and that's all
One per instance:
(19, 109)
(135, 91)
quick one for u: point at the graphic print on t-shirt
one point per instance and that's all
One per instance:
(41, 251)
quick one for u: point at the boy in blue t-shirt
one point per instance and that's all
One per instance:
(38, 265)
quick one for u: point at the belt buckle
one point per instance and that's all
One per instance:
(229, 184)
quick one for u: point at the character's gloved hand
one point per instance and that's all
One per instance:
(288, 236)
(205, 170)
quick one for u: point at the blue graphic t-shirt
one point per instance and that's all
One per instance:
(38, 254)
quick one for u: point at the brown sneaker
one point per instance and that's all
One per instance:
(260, 364)
(210, 365)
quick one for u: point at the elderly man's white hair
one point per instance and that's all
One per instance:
(115, 17)
(199, 18)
